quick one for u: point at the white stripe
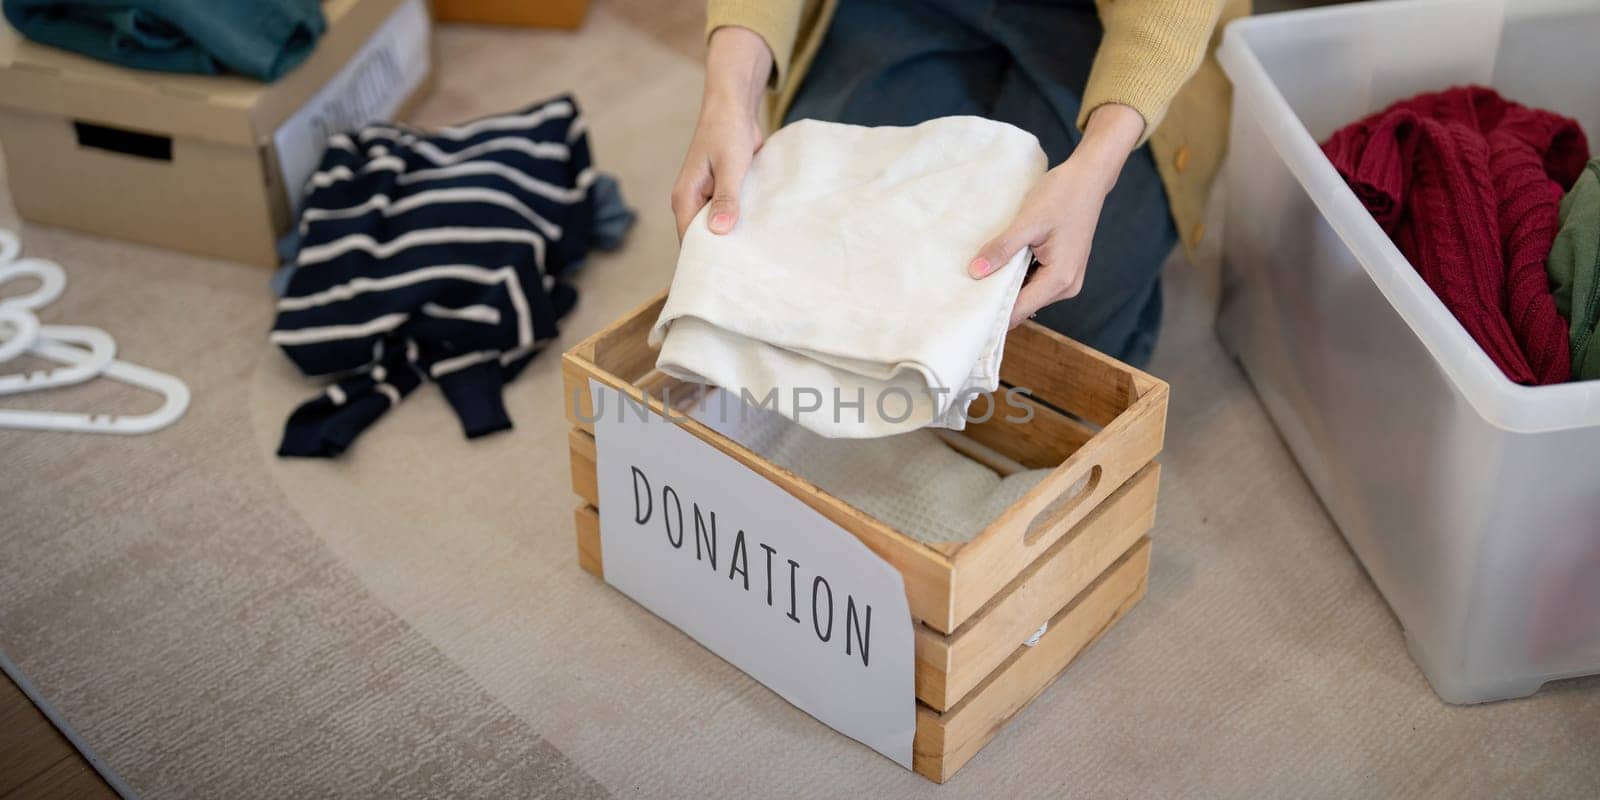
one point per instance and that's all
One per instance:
(342, 141)
(521, 350)
(357, 286)
(412, 202)
(458, 363)
(420, 238)
(330, 333)
(545, 189)
(532, 119)
(579, 127)
(389, 392)
(371, 132)
(450, 271)
(488, 315)
(519, 301)
(327, 178)
(336, 394)
(555, 151)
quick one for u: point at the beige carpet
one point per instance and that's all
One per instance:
(410, 620)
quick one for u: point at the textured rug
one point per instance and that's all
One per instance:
(410, 620)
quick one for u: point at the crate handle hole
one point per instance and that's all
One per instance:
(121, 140)
(1063, 505)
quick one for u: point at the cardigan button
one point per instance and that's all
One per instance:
(1180, 159)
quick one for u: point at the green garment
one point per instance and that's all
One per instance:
(260, 38)
(1574, 267)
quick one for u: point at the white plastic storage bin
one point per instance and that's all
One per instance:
(1474, 503)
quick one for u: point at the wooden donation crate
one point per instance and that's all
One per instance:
(1072, 552)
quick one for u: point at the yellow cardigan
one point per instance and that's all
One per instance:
(1155, 57)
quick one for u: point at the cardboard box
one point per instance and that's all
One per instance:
(533, 13)
(210, 165)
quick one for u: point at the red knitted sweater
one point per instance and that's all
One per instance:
(1469, 185)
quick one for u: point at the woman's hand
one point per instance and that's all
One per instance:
(1059, 216)
(728, 135)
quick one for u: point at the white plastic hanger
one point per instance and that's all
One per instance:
(86, 365)
(96, 357)
(175, 392)
(17, 313)
(24, 327)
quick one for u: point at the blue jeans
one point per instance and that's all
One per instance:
(901, 62)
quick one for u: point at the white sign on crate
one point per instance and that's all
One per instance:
(754, 575)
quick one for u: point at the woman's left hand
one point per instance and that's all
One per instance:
(1059, 215)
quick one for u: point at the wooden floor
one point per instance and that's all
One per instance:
(36, 761)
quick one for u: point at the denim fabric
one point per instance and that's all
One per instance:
(901, 62)
(612, 216)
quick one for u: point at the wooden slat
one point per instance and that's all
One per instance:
(1098, 469)
(587, 520)
(945, 742)
(1069, 375)
(950, 666)
(974, 450)
(621, 347)
(1043, 442)
(682, 394)
(580, 459)
(576, 401)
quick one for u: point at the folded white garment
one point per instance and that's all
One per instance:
(842, 295)
(913, 482)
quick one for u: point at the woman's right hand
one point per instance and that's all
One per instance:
(728, 134)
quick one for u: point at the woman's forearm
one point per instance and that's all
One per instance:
(1059, 216)
(738, 66)
(1112, 133)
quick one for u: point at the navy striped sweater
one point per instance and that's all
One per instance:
(433, 256)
